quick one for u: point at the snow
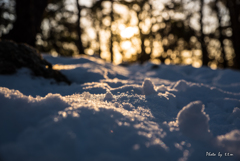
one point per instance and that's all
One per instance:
(231, 141)
(148, 87)
(192, 121)
(108, 96)
(120, 113)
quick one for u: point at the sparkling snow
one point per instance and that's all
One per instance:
(120, 113)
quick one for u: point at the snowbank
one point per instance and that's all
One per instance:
(192, 121)
(119, 113)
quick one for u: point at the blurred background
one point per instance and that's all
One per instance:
(189, 32)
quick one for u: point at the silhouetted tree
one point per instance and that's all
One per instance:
(103, 23)
(234, 9)
(97, 16)
(98, 28)
(61, 32)
(205, 58)
(221, 36)
(111, 37)
(7, 16)
(79, 31)
(29, 15)
(144, 56)
(176, 33)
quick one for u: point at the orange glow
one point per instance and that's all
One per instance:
(197, 64)
(117, 58)
(128, 32)
(126, 45)
(64, 67)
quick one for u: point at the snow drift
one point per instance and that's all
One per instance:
(118, 113)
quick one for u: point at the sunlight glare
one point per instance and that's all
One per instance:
(126, 45)
(213, 66)
(121, 27)
(54, 53)
(167, 61)
(186, 53)
(197, 64)
(64, 67)
(128, 32)
(117, 58)
(131, 51)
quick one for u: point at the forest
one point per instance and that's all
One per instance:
(189, 32)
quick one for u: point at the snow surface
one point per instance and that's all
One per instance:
(120, 113)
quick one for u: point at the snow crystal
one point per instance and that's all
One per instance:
(236, 112)
(18, 111)
(117, 105)
(192, 121)
(231, 142)
(108, 96)
(162, 88)
(234, 117)
(181, 85)
(128, 106)
(148, 87)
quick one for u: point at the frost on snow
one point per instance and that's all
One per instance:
(116, 113)
(108, 96)
(148, 87)
(181, 85)
(193, 121)
(231, 141)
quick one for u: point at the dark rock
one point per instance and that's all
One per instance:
(14, 56)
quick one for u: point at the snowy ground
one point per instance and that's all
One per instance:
(114, 113)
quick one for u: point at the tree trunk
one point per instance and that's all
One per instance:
(221, 37)
(28, 22)
(98, 36)
(205, 59)
(234, 9)
(79, 31)
(111, 38)
(143, 53)
(151, 33)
